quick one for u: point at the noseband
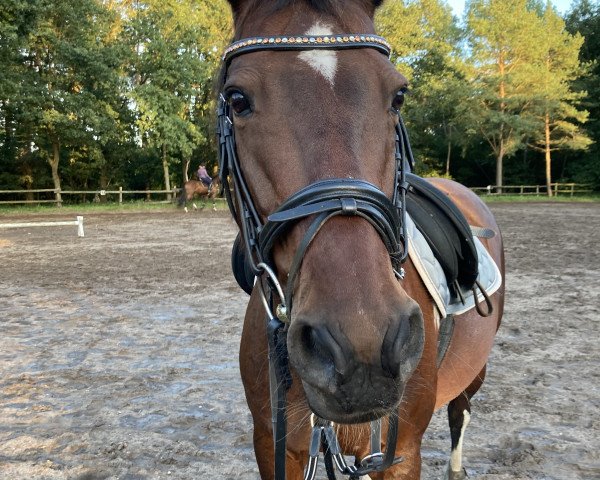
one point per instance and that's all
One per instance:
(321, 200)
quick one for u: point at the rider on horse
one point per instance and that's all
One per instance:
(203, 175)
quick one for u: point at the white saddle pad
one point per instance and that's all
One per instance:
(433, 276)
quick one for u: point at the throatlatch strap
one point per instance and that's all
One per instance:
(279, 385)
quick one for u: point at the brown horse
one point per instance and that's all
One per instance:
(196, 188)
(340, 327)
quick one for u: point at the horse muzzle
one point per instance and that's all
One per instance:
(354, 378)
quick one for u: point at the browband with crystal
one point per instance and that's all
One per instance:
(307, 42)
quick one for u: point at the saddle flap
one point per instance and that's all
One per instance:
(447, 231)
(241, 266)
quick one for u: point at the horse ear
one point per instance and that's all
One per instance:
(376, 4)
(372, 5)
(235, 5)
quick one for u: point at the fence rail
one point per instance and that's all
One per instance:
(44, 193)
(570, 189)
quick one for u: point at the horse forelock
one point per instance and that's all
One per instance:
(244, 10)
(346, 14)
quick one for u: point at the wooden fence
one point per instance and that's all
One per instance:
(50, 195)
(570, 189)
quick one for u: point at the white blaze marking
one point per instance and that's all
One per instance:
(322, 61)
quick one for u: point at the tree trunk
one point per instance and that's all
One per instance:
(500, 156)
(499, 173)
(186, 166)
(9, 144)
(166, 170)
(54, 166)
(103, 183)
(104, 177)
(448, 159)
(26, 171)
(548, 156)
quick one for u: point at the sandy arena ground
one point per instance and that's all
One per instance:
(118, 352)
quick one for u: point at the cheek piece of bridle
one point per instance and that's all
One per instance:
(321, 200)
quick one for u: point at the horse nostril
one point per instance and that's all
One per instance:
(394, 339)
(403, 345)
(320, 344)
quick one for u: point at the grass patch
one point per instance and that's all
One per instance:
(108, 207)
(540, 198)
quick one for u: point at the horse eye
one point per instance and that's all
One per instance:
(239, 103)
(398, 99)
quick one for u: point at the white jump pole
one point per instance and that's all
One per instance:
(80, 226)
(78, 223)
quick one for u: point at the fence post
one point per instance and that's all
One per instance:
(120, 195)
(58, 197)
(489, 189)
(572, 189)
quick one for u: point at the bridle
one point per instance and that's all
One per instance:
(321, 200)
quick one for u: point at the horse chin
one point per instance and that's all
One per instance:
(341, 409)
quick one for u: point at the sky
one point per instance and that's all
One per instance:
(458, 5)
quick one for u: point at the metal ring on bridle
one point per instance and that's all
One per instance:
(281, 308)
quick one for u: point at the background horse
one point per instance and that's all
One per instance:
(196, 188)
(314, 106)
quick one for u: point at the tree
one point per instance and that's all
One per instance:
(13, 28)
(175, 53)
(426, 49)
(61, 58)
(502, 37)
(584, 18)
(555, 107)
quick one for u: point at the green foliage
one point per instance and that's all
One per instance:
(99, 93)
(426, 43)
(98, 88)
(584, 18)
(502, 62)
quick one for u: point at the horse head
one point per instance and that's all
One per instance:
(304, 120)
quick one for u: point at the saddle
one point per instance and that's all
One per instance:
(447, 232)
(438, 219)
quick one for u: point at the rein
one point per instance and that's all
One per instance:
(322, 200)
